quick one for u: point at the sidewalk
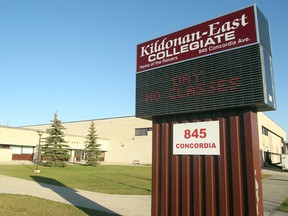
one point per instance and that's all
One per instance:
(275, 190)
(118, 204)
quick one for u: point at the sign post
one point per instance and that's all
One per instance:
(202, 87)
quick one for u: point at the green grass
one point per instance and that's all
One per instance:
(264, 176)
(127, 180)
(284, 206)
(16, 205)
(111, 179)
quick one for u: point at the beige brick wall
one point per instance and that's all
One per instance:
(271, 142)
(18, 136)
(5, 155)
(117, 136)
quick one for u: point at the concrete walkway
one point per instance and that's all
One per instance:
(275, 190)
(117, 204)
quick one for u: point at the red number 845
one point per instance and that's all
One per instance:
(201, 133)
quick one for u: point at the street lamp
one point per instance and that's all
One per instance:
(39, 152)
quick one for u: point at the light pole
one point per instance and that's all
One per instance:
(39, 152)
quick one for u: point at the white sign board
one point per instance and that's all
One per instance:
(196, 138)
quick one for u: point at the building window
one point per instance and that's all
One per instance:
(264, 131)
(22, 150)
(142, 131)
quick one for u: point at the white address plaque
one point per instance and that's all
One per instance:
(196, 138)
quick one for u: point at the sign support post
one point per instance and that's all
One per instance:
(225, 184)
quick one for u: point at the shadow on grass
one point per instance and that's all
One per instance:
(138, 177)
(121, 182)
(132, 186)
(126, 184)
(82, 203)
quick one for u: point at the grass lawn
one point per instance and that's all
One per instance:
(111, 179)
(264, 176)
(284, 206)
(16, 205)
(127, 180)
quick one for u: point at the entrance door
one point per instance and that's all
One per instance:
(78, 155)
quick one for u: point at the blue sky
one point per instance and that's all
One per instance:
(78, 57)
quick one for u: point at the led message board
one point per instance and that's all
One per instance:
(207, 73)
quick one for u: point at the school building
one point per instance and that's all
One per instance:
(123, 140)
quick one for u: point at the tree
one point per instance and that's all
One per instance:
(55, 148)
(92, 148)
